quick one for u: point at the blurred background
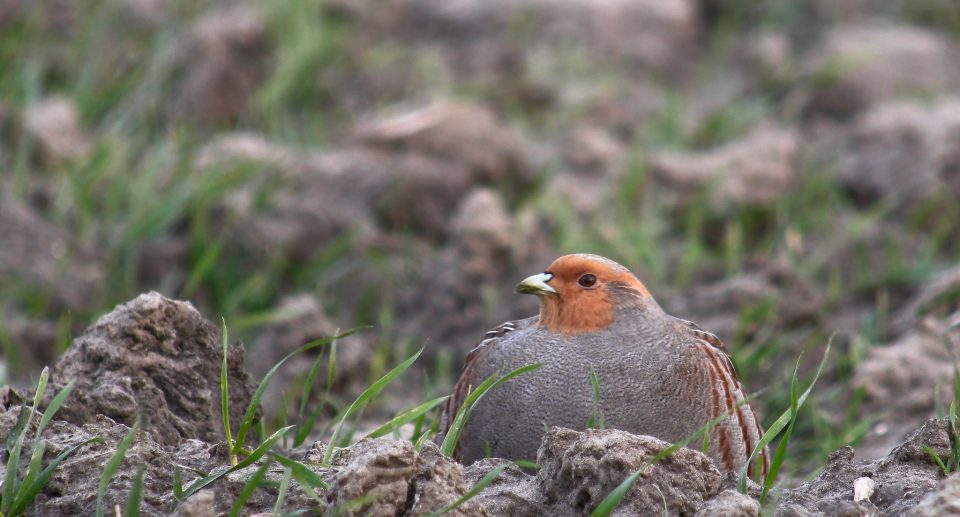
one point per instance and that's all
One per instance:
(780, 172)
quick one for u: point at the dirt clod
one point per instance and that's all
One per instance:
(228, 52)
(730, 503)
(39, 255)
(55, 124)
(757, 169)
(864, 63)
(579, 469)
(902, 478)
(155, 357)
(903, 381)
(944, 500)
(388, 477)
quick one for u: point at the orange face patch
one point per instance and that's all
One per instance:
(584, 301)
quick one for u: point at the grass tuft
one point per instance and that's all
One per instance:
(364, 398)
(251, 412)
(18, 493)
(787, 418)
(113, 464)
(254, 456)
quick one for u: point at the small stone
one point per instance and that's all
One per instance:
(54, 122)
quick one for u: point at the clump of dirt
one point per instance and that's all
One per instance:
(406, 172)
(462, 132)
(904, 380)
(452, 303)
(903, 152)
(578, 469)
(730, 503)
(944, 500)
(757, 169)
(864, 64)
(39, 255)
(157, 358)
(646, 35)
(72, 488)
(718, 305)
(902, 479)
(225, 56)
(389, 477)
(55, 124)
(938, 297)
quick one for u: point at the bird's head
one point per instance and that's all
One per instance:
(581, 293)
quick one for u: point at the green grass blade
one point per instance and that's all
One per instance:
(18, 428)
(282, 495)
(307, 425)
(11, 482)
(363, 399)
(612, 500)
(331, 368)
(936, 458)
(113, 464)
(54, 407)
(424, 436)
(41, 388)
(255, 455)
(33, 469)
(225, 393)
(781, 422)
(306, 477)
(331, 371)
(456, 427)
(304, 427)
(28, 493)
(474, 490)
(262, 387)
(132, 509)
(201, 268)
(954, 433)
(781, 451)
(404, 417)
(178, 484)
(249, 487)
(310, 381)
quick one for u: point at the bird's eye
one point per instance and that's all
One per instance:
(587, 280)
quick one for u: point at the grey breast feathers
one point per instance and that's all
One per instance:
(467, 381)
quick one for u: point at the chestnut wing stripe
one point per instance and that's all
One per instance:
(727, 407)
(725, 377)
(720, 431)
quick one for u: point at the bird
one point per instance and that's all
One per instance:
(599, 327)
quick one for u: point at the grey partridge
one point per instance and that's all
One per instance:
(658, 375)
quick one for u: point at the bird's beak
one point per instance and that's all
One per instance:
(536, 284)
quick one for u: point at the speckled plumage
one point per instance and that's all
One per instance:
(658, 375)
